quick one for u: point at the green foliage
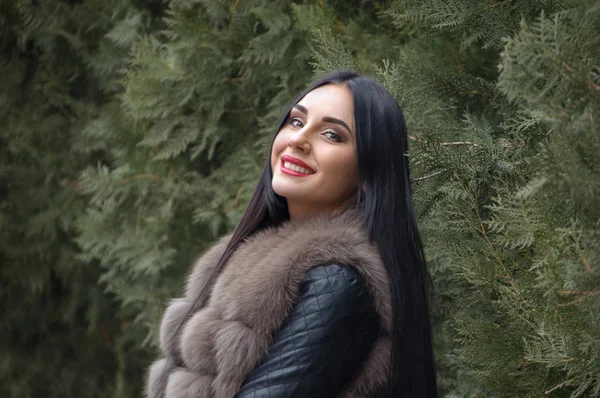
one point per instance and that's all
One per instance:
(507, 192)
(62, 334)
(134, 133)
(473, 22)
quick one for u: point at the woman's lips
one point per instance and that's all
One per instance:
(296, 161)
(290, 160)
(291, 172)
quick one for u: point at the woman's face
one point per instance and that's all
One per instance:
(314, 160)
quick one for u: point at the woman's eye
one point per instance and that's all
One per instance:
(333, 136)
(296, 123)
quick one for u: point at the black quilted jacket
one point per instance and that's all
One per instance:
(324, 340)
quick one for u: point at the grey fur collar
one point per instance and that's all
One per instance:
(224, 340)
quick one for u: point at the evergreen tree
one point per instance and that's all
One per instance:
(132, 141)
(61, 335)
(508, 188)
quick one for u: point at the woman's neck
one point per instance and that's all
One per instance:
(300, 211)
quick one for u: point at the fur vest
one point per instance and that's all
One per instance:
(221, 342)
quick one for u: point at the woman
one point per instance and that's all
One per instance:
(321, 289)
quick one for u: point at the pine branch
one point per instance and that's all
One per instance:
(427, 176)
(579, 292)
(455, 54)
(491, 245)
(451, 143)
(140, 177)
(458, 143)
(231, 79)
(235, 200)
(586, 264)
(584, 296)
(138, 221)
(156, 150)
(72, 196)
(570, 70)
(498, 4)
(564, 383)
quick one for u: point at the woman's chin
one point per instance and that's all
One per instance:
(286, 191)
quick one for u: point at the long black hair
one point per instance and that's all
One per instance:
(386, 206)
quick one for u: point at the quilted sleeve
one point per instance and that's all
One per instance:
(324, 340)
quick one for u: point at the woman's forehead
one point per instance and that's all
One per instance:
(330, 100)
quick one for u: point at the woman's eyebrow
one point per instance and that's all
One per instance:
(327, 119)
(330, 119)
(301, 109)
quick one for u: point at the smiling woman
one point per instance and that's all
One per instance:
(321, 289)
(318, 138)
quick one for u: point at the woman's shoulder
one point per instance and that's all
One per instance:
(333, 289)
(324, 339)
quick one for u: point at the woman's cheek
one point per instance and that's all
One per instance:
(279, 145)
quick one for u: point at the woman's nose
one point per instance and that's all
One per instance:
(300, 140)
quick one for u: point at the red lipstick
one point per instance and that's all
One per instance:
(296, 161)
(291, 159)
